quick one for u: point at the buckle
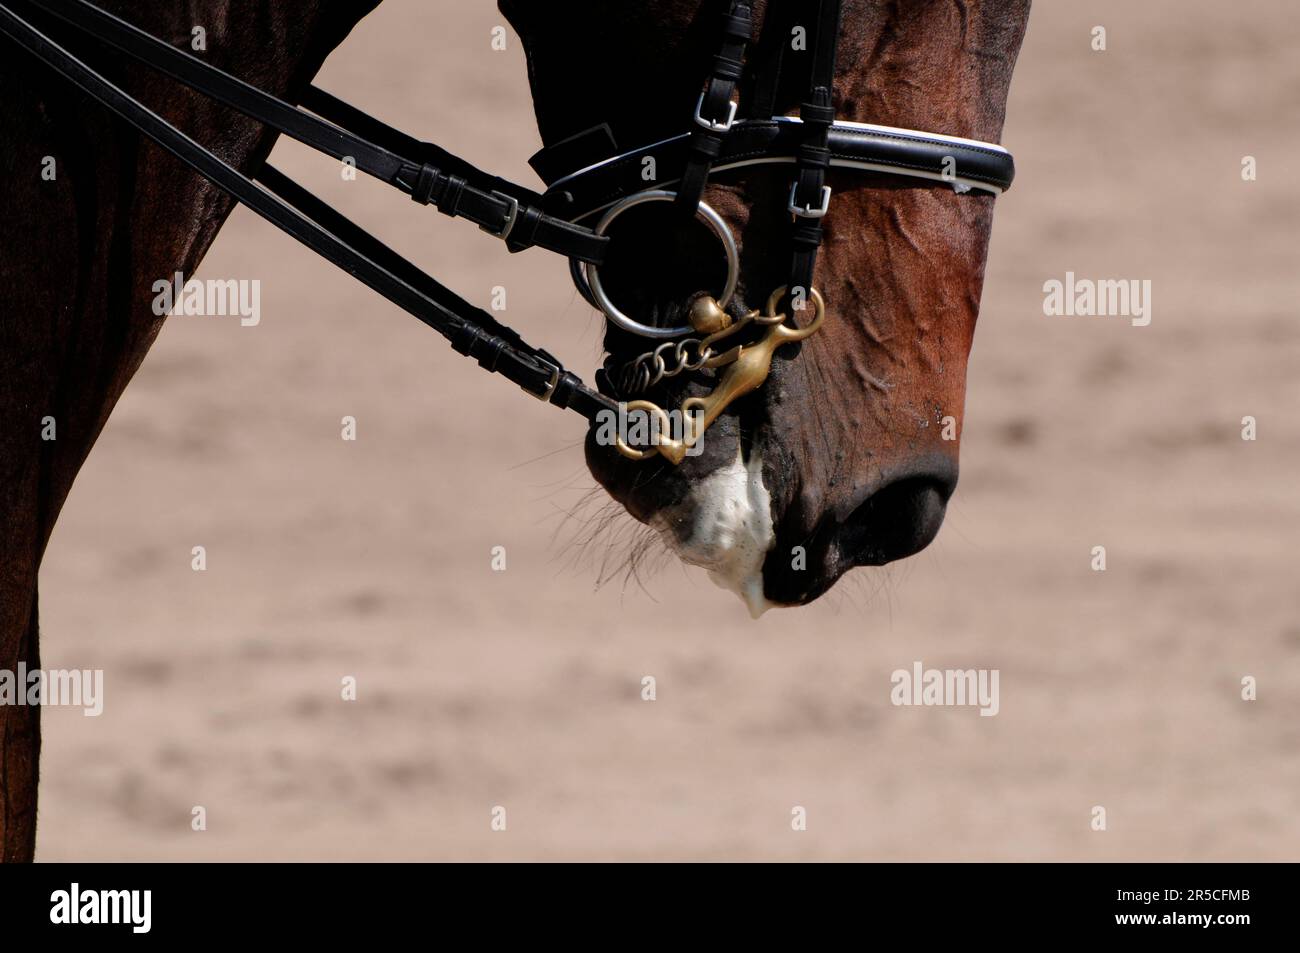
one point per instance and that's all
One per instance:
(541, 357)
(509, 226)
(807, 211)
(709, 124)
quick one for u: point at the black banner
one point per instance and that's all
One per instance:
(1173, 903)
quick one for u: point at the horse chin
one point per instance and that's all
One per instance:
(725, 527)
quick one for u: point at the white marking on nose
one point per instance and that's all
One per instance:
(725, 526)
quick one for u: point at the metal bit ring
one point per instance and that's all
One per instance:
(709, 217)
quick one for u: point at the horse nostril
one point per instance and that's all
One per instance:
(899, 519)
(896, 521)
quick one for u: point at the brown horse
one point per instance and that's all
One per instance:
(849, 454)
(839, 461)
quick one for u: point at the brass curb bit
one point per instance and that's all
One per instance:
(747, 365)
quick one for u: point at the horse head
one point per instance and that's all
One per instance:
(847, 455)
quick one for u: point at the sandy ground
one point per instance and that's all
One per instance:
(521, 688)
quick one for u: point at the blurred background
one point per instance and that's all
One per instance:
(522, 688)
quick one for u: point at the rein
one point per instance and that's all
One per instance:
(587, 177)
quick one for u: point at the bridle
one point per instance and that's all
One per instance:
(590, 183)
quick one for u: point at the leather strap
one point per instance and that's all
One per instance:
(716, 111)
(766, 66)
(409, 167)
(348, 117)
(810, 196)
(333, 237)
(576, 152)
(982, 166)
(458, 189)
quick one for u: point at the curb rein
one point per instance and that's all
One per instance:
(606, 181)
